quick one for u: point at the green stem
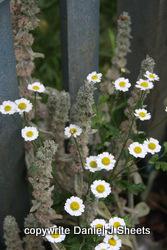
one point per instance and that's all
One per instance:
(35, 106)
(124, 144)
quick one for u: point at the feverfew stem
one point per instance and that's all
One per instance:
(35, 106)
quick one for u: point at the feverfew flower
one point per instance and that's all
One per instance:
(142, 114)
(94, 77)
(151, 76)
(102, 246)
(122, 84)
(55, 237)
(74, 206)
(98, 223)
(23, 105)
(144, 84)
(100, 188)
(36, 87)
(116, 222)
(29, 133)
(113, 241)
(106, 161)
(72, 130)
(152, 146)
(137, 150)
(8, 107)
(92, 164)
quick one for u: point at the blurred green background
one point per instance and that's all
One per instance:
(47, 40)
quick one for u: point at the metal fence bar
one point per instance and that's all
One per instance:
(13, 186)
(80, 41)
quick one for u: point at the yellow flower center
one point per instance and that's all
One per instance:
(99, 226)
(73, 130)
(137, 150)
(142, 114)
(100, 188)
(122, 84)
(8, 108)
(55, 235)
(29, 134)
(144, 84)
(22, 106)
(116, 224)
(93, 164)
(112, 242)
(151, 76)
(36, 88)
(151, 146)
(74, 205)
(94, 77)
(106, 161)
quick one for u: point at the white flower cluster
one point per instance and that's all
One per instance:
(139, 150)
(102, 161)
(19, 106)
(22, 106)
(110, 242)
(123, 84)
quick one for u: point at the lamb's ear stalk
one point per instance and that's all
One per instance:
(81, 114)
(79, 152)
(11, 234)
(119, 59)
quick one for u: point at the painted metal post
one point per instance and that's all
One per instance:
(80, 41)
(149, 37)
(13, 184)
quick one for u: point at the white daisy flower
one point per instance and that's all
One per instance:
(122, 84)
(151, 76)
(142, 114)
(152, 146)
(94, 77)
(166, 109)
(114, 242)
(36, 87)
(92, 164)
(144, 84)
(137, 150)
(72, 130)
(98, 223)
(106, 161)
(102, 246)
(23, 105)
(55, 237)
(29, 133)
(116, 222)
(74, 206)
(100, 188)
(8, 107)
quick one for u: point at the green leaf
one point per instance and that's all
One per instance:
(131, 187)
(153, 159)
(161, 165)
(165, 147)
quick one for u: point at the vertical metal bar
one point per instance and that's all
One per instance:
(13, 184)
(80, 41)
